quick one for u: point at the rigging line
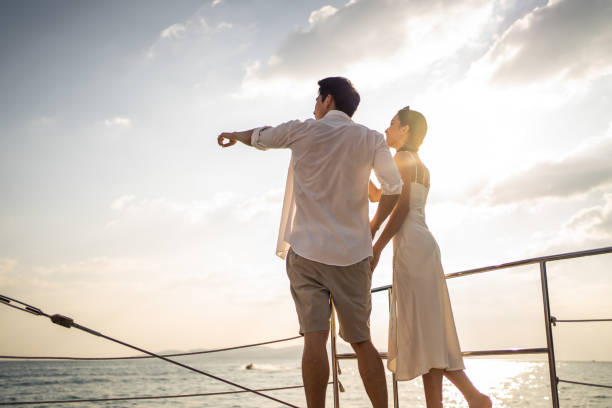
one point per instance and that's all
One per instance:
(208, 394)
(141, 357)
(68, 323)
(583, 383)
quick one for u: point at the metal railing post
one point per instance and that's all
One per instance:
(395, 393)
(549, 337)
(333, 355)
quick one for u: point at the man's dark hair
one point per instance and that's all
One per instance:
(341, 89)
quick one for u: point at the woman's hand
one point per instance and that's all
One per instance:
(373, 227)
(373, 192)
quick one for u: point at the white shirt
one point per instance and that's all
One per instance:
(325, 211)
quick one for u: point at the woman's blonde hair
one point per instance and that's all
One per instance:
(418, 128)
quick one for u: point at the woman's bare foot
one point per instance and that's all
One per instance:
(481, 401)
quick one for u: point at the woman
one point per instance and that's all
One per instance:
(422, 335)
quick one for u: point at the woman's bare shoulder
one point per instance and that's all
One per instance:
(405, 164)
(404, 159)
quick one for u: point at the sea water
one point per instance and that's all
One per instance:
(510, 383)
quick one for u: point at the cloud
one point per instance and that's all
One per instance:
(147, 237)
(587, 228)
(321, 14)
(180, 249)
(118, 121)
(562, 40)
(162, 227)
(594, 222)
(130, 297)
(122, 202)
(174, 31)
(194, 28)
(160, 243)
(190, 43)
(579, 172)
(384, 35)
(224, 25)
(129, 209)
(152, 211)
(216, 3)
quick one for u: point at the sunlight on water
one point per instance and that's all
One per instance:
(505, 381)
(509, 383)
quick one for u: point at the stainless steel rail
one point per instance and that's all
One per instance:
(522, 262)
(549, 320)
(555, 320)
(552, 366)
(476, 353)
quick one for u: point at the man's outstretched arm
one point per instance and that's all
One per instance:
(227, 139)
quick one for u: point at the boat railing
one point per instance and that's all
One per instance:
(549, 322)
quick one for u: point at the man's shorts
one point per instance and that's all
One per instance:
(313, 282)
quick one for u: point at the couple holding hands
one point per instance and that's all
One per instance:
(326, 239)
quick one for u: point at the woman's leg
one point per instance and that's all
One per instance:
(474, 397)
(432, 383)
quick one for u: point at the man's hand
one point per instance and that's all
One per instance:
(227, 139)
(375, 258)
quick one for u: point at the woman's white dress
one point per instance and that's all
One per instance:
(422, 333)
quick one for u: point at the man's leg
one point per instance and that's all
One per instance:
(315, 368)
(372, 373)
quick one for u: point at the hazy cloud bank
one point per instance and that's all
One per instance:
(581, 171)
(562, 40)
(587, 228)
(369, 31)
(595, 222)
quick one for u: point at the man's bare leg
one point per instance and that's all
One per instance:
(315, 368)
(432, 383)
(474, 397)
(372, 373)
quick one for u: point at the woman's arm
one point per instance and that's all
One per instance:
(374, 192)
(386, 205)
(400, 211)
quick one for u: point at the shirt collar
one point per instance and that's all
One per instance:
(336, 114)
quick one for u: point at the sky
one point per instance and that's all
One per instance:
(119, 209)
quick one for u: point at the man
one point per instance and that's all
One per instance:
(325, 233)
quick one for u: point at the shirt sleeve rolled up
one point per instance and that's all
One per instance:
(277, 137)
(385, 169)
